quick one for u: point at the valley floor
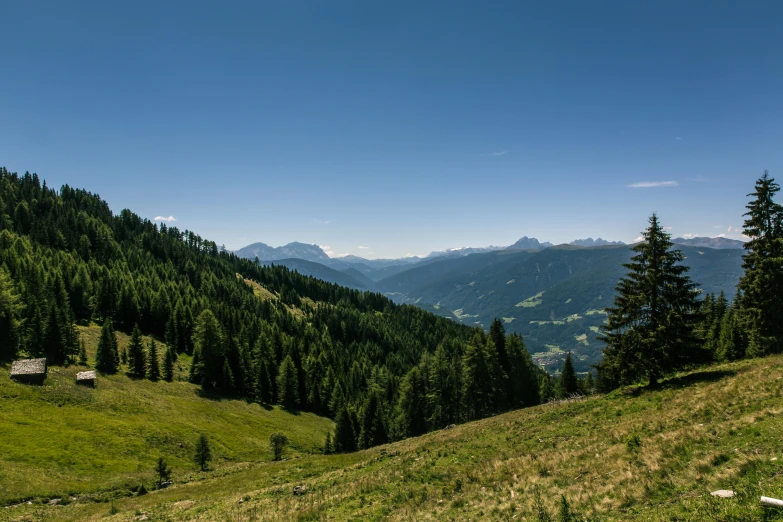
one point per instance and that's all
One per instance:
(632, 455)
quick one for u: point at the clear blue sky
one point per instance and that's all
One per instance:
(403, 127)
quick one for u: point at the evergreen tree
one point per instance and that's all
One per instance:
(372, 430)
(137, 360)
(524, 373)
(168, 364)
(651, 328)
(82, 354)
(153, 363)
(263, 383)
(482, 374)
(547, 389)
(203, 454)
(209, 350)
(762, 301)
(227, 382)
(344, 433)
(568, 384)
(10, 318)
(328, 444)
(287, 384)
(730, 346)
(411, 413)
(107, 359)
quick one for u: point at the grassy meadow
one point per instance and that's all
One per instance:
(62, 440)
(635, 454)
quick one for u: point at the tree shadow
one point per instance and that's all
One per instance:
(690, 379)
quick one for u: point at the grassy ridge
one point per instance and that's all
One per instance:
(651, 455)
(61, 439)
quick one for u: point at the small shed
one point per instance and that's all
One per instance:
(30, 371)
(86, 378)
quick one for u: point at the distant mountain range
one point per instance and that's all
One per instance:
(553, 295)
(719, 243)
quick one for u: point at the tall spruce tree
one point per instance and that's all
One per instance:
(10, 318)
(650, 330)
(209, 350)
(567, 384)
(762, 300)
(372, 431)
(344, 432)
(168, 364)
(288, 384)
(107, 360)
(203, 453)
(137, 359)
(482, 379)
(153, 363)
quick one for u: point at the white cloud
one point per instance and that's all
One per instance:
(638, 239)
(678, 138)
(321, 221)
(717, 226)
(668, 228)
(699, 179)
(653, 184)
(360, 247)
(495, 154)
(690, 235)
(412, 255)
(166, 219)
(721, 235)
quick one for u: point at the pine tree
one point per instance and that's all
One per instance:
(568, 384)
(328, 444)
(482, 376)
(107, 359)
(263, 387)
(372, 430)
(209, 350)
(137, 360)
(10, 318)
(153, 363)
(650, 331)
(524, 376)
(344, 433)
(729, 346)
(203, 454)
(411, 416)
(82, 354)
(547, 389)
(168, 364)
(762, 301)
(287, 384)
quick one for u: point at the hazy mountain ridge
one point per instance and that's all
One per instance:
(590, 242)
(719, 243)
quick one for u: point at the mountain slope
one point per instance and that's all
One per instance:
(645, 456)
(554, 297)
(354, 279)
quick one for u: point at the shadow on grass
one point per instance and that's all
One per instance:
(694, 378)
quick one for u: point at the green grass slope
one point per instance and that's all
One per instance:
(644, 455)
(60, 439)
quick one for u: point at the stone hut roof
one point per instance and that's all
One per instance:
(28, 368)
(85, 376)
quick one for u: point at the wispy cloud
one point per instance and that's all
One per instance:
(690, 235)
(495, 154)
(638, 239)
(678, 138)
(166, 219)
(324, 247)
(653, 184)
(321, 221)
(717, 226)
(668, 229)
(360, 247)
(699, 179)
(721, 235)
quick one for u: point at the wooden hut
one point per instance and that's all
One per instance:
(30, 371)
(86, 378)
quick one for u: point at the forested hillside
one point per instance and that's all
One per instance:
(264, 333)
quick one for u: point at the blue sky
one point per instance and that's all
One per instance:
(403, 127)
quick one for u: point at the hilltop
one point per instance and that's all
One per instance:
(635, 454)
